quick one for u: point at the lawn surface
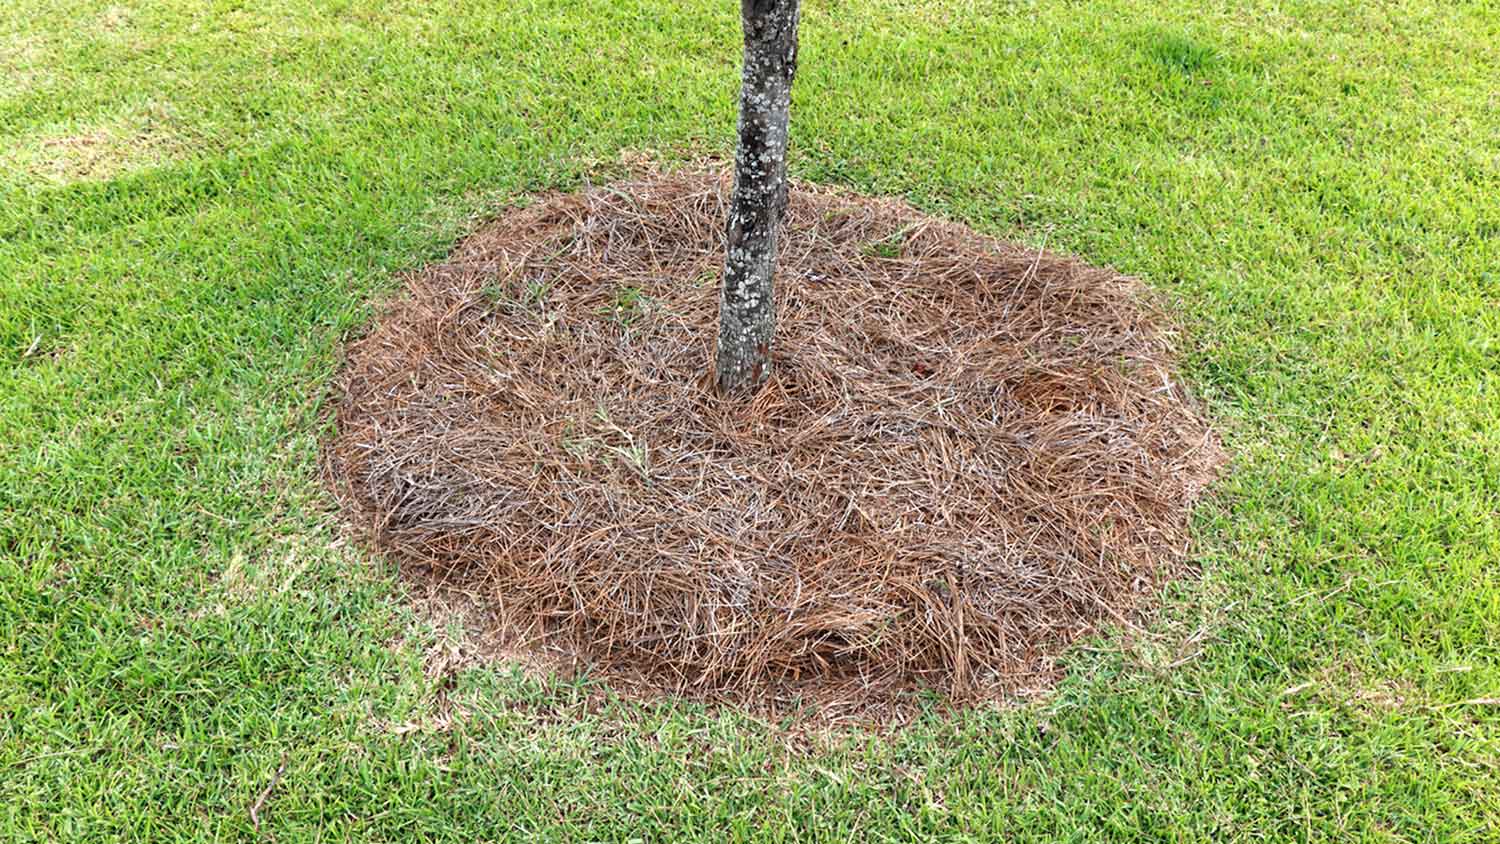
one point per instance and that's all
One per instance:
(199, 201)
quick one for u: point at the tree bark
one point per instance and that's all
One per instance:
(747, 312)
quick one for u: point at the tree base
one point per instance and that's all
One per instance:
(968, 455)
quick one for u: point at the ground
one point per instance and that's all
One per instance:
(199, 202)
(968, 455)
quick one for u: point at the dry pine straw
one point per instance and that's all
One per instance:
(970, 453)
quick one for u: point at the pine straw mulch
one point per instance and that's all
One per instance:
(970, 453)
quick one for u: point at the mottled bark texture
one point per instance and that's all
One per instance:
(747, 313)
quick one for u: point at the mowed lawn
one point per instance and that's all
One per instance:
(200, 201)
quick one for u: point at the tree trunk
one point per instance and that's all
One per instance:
(747, 312)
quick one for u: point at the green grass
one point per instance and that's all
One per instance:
(201, 199)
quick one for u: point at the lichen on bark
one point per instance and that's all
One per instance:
(747, 310)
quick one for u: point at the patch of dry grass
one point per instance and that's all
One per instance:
(23, 62)
(147, 137)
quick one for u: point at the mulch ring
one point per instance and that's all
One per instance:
(969, 454)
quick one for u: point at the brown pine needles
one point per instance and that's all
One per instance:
(969, 454)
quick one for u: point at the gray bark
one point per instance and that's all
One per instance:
(747, 312)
